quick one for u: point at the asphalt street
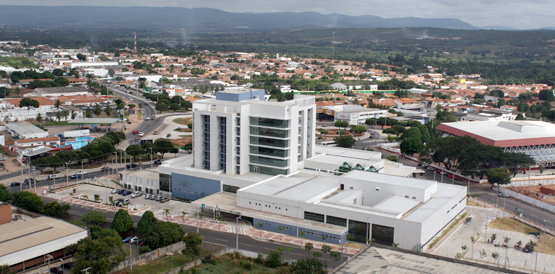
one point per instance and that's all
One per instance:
(223, 238)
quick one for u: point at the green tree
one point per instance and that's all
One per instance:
(371, 122)
(39, 118)
(122, 221)
(500, 176)
(346, 141)
(97, 110)
(274, 259)
(163, 146)
(57, 104)
(28, 201)
(93, 218)
(146, 222)
(4, 194)
(55, 209)
(28, 102)
(6, 269)
(193, 241)
(81, 57)
(99, 253)
(161, 106)
(358, 129)
(135, 150)
(411, 146)
(308, 247)
(547, 95)
(163, 234)
(336, 255)
(308, 265)
(341, 124)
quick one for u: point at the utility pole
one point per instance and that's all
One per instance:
(237, 234)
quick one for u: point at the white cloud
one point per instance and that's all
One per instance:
(511, 13)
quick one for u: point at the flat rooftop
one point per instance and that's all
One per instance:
(387, 179)
(24, 128)
(21, 235)
(348, 153)
(87, 121)
(386, 260)
(504, 133)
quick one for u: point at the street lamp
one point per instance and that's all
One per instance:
(237, 234)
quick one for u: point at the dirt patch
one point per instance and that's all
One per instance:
(182, 121)
(183, 141)
(180, 129)
(541, 193)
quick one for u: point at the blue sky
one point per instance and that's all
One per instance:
(517, 14)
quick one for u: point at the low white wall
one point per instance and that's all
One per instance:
(529, 200)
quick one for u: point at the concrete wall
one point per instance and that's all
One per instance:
(529, 200)
(192, 188)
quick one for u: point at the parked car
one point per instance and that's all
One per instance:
(67, 265)
(135, 131)
(120, 191)
(135, 240)
(132, 165)
(56, 270)
(105, 168)
(126, 201)
(75, 176)
(141, 134)
(53, 176)
(147, 196)
(126, 240)
(126, 192)
(158, 162)
(81, 172)
(15, 184)
(26, 181)
(163, 200)
(115, 190)
(155, 132)
(503, 195)
(136, 194)
(157, 198)
(128, 122)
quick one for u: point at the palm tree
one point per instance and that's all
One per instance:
(260, 224)
(167, 212)
(73, 115)
(281, 228)
(65, 114)
(183, 213)
(97, 110)
(302, 234)
(108, 111)
(58, 115)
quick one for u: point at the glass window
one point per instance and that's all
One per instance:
(336, 221)
(165, 182)
(383, 234)
(358, 231)
(314, 216)
(230, 189)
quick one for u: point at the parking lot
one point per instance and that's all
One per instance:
(139, 204)
(516, 259)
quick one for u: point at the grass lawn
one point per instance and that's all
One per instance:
(510, 224)
(472, 203)
(183, 129)
(182, 121)
(229, 264)
(162, 265)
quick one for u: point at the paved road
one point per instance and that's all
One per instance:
(147, 126)
(223, 238)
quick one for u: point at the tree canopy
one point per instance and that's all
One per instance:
(122, 221)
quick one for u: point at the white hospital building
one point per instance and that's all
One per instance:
(258, 160)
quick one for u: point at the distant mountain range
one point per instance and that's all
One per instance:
(199, 19)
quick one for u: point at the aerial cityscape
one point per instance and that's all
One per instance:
(210, 138)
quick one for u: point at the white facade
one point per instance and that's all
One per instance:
(415, 209)
(143, 180)
(239, 132)
(357, 115)
(93, 64)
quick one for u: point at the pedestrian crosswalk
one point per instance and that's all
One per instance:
(242, 230)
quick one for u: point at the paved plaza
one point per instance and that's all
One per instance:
(514, 259)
